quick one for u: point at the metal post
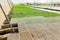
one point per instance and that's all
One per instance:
(7, 19)
(8, 3)
(11, 2)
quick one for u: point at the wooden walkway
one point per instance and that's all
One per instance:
(39, 29)
(38, 33)
(32, 33)
(13, 36)
(5, 12)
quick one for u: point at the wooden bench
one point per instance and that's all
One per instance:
(4, 37)
(14, 36)
(6, 8)
(2, 18)
(5, 13)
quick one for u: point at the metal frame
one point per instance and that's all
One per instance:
(7, 18)
(10, 3)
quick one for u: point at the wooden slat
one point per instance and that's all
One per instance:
(24, 33)
(8, 30)
(29, 32)
(4, 37)
(13, 36)
(32, 32)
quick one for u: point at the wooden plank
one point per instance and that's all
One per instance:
(13, 36)
(4, 37)
(25, 36)
(24, 33)
(31, 32)
(8, 30)
(35, 33)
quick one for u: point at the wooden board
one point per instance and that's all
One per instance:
(13, 36)
(28, 32)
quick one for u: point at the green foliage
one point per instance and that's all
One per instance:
(24, 11)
